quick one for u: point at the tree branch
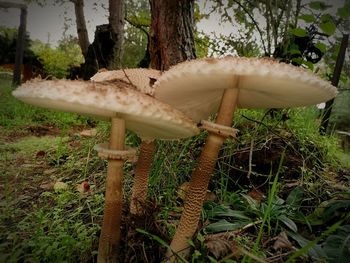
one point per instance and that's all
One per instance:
(255, 24)
(12, 5)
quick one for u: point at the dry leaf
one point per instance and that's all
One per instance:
(256, 195)
(47, 186)
(88, 133)
(218, 247)
(282, 241)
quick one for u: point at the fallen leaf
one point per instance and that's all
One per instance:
(221, 246)
(256, 195)
(88, 133)
(47, 186)
(218, 247)
(282, 241)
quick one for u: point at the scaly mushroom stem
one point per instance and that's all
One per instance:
(142, 170)
(110, 232)
(201, 176)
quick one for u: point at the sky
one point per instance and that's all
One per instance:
(47, 23)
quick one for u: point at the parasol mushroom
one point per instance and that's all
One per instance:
(201, 87)
(126, 108)
(142, 79)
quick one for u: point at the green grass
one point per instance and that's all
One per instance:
(293, 167)
(15, 114)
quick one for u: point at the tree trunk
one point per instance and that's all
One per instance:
(81, 26)
(20, 47)
(172, 37)
(335, 80)
(116, 21)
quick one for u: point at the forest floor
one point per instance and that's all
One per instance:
(281, 193)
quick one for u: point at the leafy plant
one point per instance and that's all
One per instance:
(337, 246)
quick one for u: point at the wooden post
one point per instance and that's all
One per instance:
(20, 39)
(20, 47)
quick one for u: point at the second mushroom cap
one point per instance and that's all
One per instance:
(195, 87)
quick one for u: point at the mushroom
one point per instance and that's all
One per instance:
(204, 86)
(141, 79)
(126, 108)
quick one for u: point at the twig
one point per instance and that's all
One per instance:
(126, 75)
(250, 158)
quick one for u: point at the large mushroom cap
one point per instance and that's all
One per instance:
(141, 78)
(195, 87)
(148, 117)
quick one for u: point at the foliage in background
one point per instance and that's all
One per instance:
(22, 114)
(136, 38)
(293, 30)
(58, 61)
(8, 39)
(340, 118)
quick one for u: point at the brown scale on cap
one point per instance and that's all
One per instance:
(149, 118)
(141, 79)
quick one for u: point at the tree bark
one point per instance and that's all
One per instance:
(20, 47)
(116, 21)
(81, 26)
(172, 37)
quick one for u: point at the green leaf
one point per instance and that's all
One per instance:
(299, 32)
(222, 210)
(154, 237)
(326, 18)
(308, 18)
(337, 245)
(308, 64)
(222, 226)
(318, 5)
(299, 61)
(322, 47)
(328, 210)
(253, 204)
(289, 223)
(295, 197)
(294, 52)
(344, 12)
(316, 251)
(328, 27)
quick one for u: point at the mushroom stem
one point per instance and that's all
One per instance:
(143, 167)
(201, 176)
(110, 232)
